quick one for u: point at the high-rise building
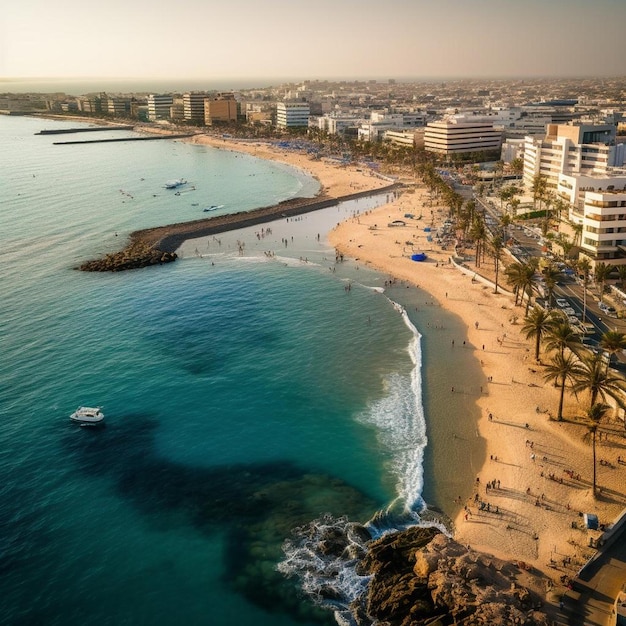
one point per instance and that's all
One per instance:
(159, 106)
(571, 149)
(292, 114)
(459, 135)
(222, 108)
(193, 106)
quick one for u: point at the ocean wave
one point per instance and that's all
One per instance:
(324, 555)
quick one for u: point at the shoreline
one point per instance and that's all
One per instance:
(488, 369)
(530, 516)
(540, 469)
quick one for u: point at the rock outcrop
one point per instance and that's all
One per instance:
(421, 576)
(137, 254)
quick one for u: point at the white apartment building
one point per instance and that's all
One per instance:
(571, 149)
(159, 106)
(292, 114)
(459, 135)
(598, 203)
(335, 124)
(193, 106)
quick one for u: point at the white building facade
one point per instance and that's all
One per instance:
(571, 149)
(462, 135)
(292, 114)
(159, 107)
(193, 106)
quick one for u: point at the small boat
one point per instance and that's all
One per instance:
(87, 415)
(173, 184)
(213, 207)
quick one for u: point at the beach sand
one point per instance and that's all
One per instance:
(530, 515)
(486, 400)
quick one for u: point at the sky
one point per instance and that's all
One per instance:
(334, 39)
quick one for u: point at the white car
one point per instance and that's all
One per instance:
(561, 302)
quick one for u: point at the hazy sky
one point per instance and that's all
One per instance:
(208, 39)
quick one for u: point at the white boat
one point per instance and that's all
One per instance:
(173, 184)
(87, 415)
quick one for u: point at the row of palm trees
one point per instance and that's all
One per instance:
(572, 365)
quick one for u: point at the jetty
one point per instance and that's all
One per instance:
(89, 129)
(117, 139)
(156, 246)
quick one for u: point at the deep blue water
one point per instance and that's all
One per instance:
(243, 396)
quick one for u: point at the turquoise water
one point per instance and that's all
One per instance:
(244, 396)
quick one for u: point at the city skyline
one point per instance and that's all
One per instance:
(207, 40)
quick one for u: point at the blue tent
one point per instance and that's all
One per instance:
(420, 256)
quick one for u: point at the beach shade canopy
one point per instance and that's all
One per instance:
(591, 521)
(420, 256)
(427, 229)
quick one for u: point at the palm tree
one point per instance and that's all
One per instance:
(593, 417)
(601, 273)
(621, 271)
(562, 369)
(561, 336)
(594, 378)
(522, 277)
(584, 267)
(612, 342)
(551, 274)
(539, 189)
(496, 246)
(537, 324)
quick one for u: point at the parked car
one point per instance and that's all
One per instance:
(561, 302)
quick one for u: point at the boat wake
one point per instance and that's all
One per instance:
(324, 555)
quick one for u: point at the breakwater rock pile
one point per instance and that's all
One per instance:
(137, 254)
(414, 577)
(155, 246)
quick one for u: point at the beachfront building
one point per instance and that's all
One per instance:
(597, 203)
(193, 106)
(571, 149)
(461, 134)
(292, 114)
(115, 106)
(337, 123)
(402, 137)
(221, 109)
(159, 106)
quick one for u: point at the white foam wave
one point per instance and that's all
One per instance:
(399, 419)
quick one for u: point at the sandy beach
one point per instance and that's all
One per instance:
(515, 482)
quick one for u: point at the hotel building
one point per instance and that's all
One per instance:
(159, 107)
(292, 114)
(571, 149)
(193, 106)
(459, 135)
(222, 109)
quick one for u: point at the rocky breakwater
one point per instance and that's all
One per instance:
(137, 254)
(155, 246)
(414, 577)
(420, 576)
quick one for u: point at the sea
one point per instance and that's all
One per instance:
(256, 386)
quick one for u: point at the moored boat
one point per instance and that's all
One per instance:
(173, 184)
(87, 415)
